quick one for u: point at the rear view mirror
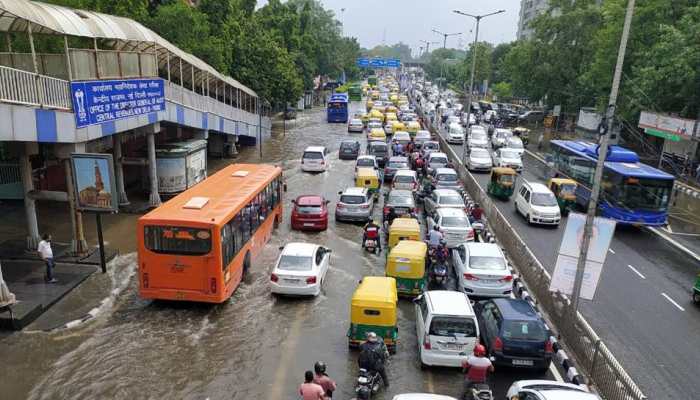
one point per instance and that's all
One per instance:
(281, 247)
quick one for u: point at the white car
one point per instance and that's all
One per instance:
(443, 198)
(300, 269)
(446, 326)
(482, 270)
(452, 119)
(478, 139)
(500, 136)
(537, 204)
(490, 116)
(455, 133)
(454, 225)
(422, 396)
(468, 120)
(479, 160)
(356, 125)
(436, 160)
(516, 144)
(405, 179)
(548, 390)
(315, 159)
(421, 137)
(402, 137)
(508, 158)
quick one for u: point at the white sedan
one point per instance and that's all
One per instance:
(544, 390)
(300, 269)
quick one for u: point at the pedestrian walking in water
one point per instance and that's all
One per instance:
(46, 254)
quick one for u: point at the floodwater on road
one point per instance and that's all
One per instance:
(255, 346)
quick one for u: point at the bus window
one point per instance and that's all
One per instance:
(177, 240)
(228, 245)
(245, 223)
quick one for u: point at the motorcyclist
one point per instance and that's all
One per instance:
(476, 369)
(390, 216)
(371, 231)
(476, 212)
(373, 356)
(322, 379)
(435, 237)
(441, 253)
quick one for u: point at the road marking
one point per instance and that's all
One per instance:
(675, 243)
(673, 302)
(611, 250)
(636, 272)
(284, 363)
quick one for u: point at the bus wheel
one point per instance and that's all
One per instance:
(246, 266)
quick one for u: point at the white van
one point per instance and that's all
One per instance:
(455, 133)
(446, 326)
(537, 204)
(315, 159)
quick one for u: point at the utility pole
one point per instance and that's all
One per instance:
(471, 79)
(606, 128)
(445, 35)
(427, 45)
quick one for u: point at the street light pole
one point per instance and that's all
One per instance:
(445, 35)
(602, 153)
(471, 79)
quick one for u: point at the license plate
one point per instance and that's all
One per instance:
(308, 224)
(400, 211)
(292, 281)
(454, 346)
(523, 362)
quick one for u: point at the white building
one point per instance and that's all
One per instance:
(529, 9)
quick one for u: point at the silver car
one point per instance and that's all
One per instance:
(446, 178)
(356, 125)
(401, 201)
(479, 160)
(500, 137)
(355, 204)
(454, 224)
(482, 270)
(478, 139)
(508, 158)
(443, 198)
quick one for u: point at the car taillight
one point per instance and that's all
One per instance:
(145, 280)
(339, 205)
(365, 206)
(426, 342)
(548, 346)
(507, 278)
(470, 234)
(386, 210)
(470, 277)
(498, 344)
(311, 280)
(274, 278)
(212, 285)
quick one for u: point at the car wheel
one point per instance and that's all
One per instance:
(529, 221)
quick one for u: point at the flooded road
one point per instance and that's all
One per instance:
(255, 346)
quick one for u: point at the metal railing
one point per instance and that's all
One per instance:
(593, 356)
(22, 87)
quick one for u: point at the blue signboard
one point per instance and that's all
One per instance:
(393, 63)
(363, 62)
(377, 63)
(95, 102)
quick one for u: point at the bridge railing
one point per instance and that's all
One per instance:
(23, 87)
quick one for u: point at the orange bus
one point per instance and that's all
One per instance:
(198, 245)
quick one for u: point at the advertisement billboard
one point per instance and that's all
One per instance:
(94, 183)
(666, 124)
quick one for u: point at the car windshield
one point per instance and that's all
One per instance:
(454, 222)
(312, 155)
(431, 146)
(309, 209)
(404, 179)
(400, 199)
(352, 199)
(490, 263)
(524, 330)
(567, 188)
(515, 144)
(480, 153)
(450, 200)
(294, 263)
(365, 162)
(438, 161)
(509, 154)
(544, 199)
(355, 122)
(452, 326)
(447, 177)
(478, 135)
(398, 164)
(349, 145)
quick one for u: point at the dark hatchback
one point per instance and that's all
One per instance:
(380, 150)
(349, 150)
(514, 334)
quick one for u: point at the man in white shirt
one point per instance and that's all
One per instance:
(46, 254)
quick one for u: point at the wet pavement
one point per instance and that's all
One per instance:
(255, 346)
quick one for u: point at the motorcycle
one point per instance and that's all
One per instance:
(479, 391)
(438, 272)
(370, 245)
(368, 383)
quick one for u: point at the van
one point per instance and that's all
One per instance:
(315, 159)
(446, 326)
(537, 204)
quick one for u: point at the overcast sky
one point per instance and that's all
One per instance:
(410, 21)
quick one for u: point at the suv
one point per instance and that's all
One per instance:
(380, 150)
(514, 334)
(537, 204)
(446, 326)
(315, 159)
(355, 204)
(454, 224)
(349, 150)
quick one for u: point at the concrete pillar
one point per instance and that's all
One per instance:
(201, 134)
(118, 169)
(78, 243)
(154, 199)
(29, 204)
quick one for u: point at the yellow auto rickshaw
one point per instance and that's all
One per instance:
(394, 99)
(392, 109)
(502, 182)
(374, 113)
(391, 117)
(398, 126)
(403, 229)
(406, 263)
(369, 105)
(565, 191)
(376, 134)
(373, 309)
(413, 127)
(367, 178)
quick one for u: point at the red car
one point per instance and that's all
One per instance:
(310, 213)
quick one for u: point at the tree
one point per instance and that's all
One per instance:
(502, 90)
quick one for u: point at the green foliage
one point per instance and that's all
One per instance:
(399, 51)
(502, 90)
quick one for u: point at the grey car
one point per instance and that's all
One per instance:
(401, 201)
(443, 198)
(446, 178)
(395, 164)
(355, 204)
(349, 150)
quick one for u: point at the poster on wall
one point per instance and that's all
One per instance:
(171, 174)
(94, 183)
(96, 102)
(196, 167)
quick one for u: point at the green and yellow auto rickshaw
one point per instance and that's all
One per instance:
(406, 263)
(373, 309)
(403, 229)
(564, 190)
(502, 182)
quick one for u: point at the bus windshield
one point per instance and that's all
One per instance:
(177, 240)
(646, 194)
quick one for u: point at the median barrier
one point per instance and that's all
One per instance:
(594, 358)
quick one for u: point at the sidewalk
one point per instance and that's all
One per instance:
(24, 274)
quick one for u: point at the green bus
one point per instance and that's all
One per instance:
(355, 92)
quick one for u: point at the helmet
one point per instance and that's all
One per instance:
(363, 393)
(371, 336)
(320, 367)
(479, 350)
(436, 228)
